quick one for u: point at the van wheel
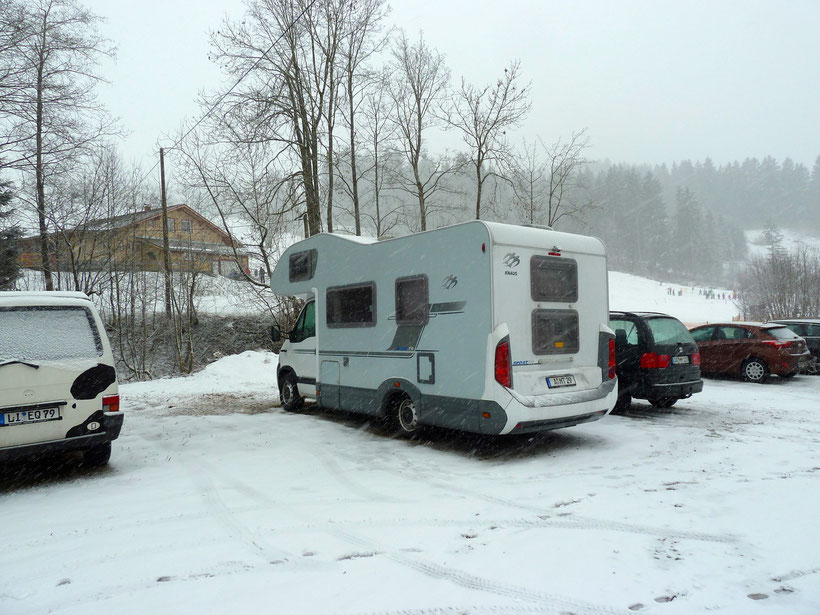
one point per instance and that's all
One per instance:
(97, 455)
(289, 393)
(663, 402)
(405, 416)
(754, 370)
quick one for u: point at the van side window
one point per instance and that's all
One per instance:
(630, 331)
(412, 306)
(553, 279)
(352, 306)
(302, 265)
(554, 331)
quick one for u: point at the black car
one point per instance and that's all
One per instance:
(809, 330)
(656, 359)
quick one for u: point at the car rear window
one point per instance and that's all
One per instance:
(781, 333)
(669, 331)
(48, 333)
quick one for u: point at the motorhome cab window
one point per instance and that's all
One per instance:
(305, 325)
(554, 331)
(352, 306)
(554, 279)
(302, 265)
(412, 300)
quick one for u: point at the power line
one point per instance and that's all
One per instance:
(233, 87)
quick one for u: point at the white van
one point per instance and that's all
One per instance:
(483, 327)
(58, 385)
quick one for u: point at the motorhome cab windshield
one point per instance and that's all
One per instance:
(483, 327)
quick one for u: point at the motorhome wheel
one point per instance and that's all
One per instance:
(663, 402)
(289, 394)
(407, 417)
(97, 456)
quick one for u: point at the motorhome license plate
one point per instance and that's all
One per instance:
(560, 381)
(29, 416)
(684, 360)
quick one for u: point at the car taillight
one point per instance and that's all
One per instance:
(776, 343)
(611, 358)
(503, 363)
(111, 403)
(650, 360)
(696, 358)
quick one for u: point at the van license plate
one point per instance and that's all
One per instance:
(684, 360)
(22, 417)
(560, 381)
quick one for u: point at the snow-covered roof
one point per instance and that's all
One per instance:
(41, 297)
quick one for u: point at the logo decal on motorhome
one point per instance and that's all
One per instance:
(512, 260)
(449, 282)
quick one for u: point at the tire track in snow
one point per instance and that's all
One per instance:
(430, 569)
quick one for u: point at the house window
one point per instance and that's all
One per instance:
(302, 265)
(186, 226)
(554, 332)
(352, 306)
(170, 225)
(412, 301)
(553, 279)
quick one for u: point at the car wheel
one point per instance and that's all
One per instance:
(623, 404)
(664, 402)
(289, 393)
(97, 455)
(754, 370)
(406, 416)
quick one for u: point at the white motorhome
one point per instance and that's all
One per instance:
(483, 327)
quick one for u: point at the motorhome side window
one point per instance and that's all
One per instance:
(306, 324)
(352, 306)
(412, 306)
(302, 265)
(554, 279)
(554, 331)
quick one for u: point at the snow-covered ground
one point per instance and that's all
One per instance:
(791, 239)
(218, 501)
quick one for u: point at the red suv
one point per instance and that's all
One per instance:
(752, 349)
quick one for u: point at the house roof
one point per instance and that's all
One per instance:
(129, 219)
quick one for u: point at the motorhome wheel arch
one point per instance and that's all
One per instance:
(483, 327)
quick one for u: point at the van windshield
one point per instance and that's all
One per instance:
(669, 331)
(48, 333)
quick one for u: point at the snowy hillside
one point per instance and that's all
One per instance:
(791, 239)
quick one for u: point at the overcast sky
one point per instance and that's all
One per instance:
(652, 81)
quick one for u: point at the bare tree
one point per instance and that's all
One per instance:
(360, 42)
(565, 159)
(483, 116)
(782, 285)
(527, 174)
(418, 89)
(59, 116)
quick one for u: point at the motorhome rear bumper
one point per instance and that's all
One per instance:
(544, 412)
(111, 424)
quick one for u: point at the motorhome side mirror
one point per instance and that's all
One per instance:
(275, 333)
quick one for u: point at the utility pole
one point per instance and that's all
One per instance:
(166, 250)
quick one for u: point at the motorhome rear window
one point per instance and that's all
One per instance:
(352, 306)
(412, 306)
(554, 331)
(553, 279)
(48, 333)
(302, 265)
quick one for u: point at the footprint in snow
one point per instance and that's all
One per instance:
(758, 596)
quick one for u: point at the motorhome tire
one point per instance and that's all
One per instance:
(289, 393)
(623, 403)
(406, 417)
(97, 455)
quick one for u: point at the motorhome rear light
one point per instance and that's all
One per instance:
(696, 358)
(554, 253)
(503, 364)
(111, 403)
(483, 247)
(651, 360)
(611, 373)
